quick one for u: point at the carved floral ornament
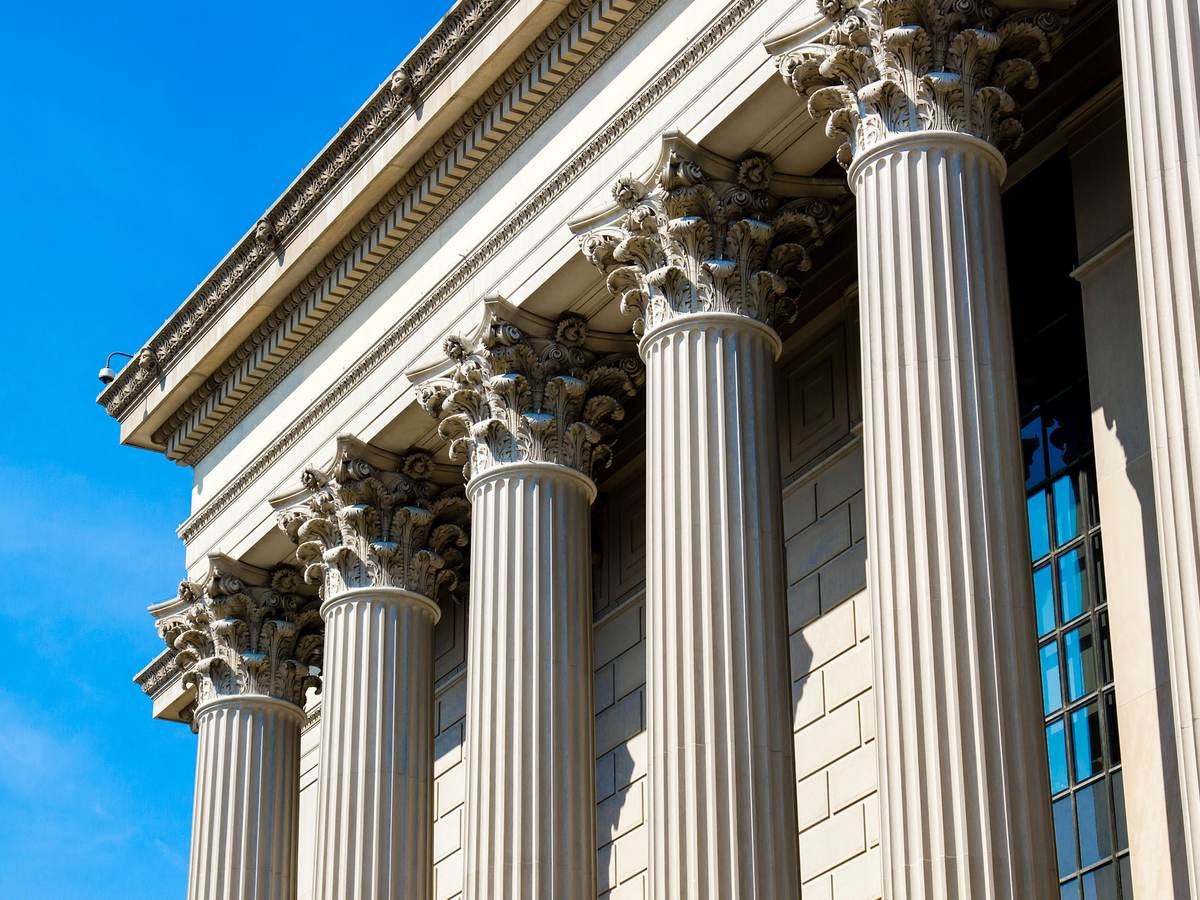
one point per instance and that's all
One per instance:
(904, 66)
(235, 638)
(689, 242)
(511, 397)
(376, 520)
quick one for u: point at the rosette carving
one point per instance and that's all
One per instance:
(692, 243)
(245, 631)
(903, 66)
(516, 398)
(374, 519)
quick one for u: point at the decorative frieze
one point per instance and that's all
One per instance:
(373, 519)
(511, 397)
(246, 632)
(694, 241)
(907, 66)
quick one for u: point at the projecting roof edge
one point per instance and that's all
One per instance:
(391, 104)
(690, 56)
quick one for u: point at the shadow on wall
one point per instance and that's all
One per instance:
(1131, 432)
(831, 669)
(622, 748)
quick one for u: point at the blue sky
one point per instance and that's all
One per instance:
(141, 141)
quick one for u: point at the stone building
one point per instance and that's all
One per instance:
(705, 449)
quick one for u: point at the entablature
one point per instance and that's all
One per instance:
(474, 79)
(529, 255)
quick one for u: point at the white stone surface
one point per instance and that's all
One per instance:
(519, 791)
(1160, 52)
(245, 817)
(530, 828)
(375, 794)
(722, 810)
(962, 770)
(1107, 275)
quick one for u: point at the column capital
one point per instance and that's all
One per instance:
(376, 519)
(898, 67)
(707, 235)
(246, 631)
(512, 397)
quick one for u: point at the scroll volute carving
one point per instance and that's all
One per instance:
(247, 631)
(512, 397)
(694, 242)
(904, 66)
(373, 519)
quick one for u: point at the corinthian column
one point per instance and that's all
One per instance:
(532, 418)
(385, 543)
(246, 641)
(702, 257)
(1160, 53)
(919, 94)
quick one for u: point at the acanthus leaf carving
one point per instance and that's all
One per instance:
(375, 520)
(245, 631)
(909, 66)
(691, 243)
(512, 397)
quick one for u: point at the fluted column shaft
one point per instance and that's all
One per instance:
(245, 820)
(1160, 51)
(722, 782)
(531, 799)
(963, 781)
(375, 795)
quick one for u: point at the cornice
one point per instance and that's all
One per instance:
(160, 672)
(373, 123)
(684, 62)
(509, 111)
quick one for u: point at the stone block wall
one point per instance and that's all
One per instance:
(619, 660)
(449, 772)
(829, 618)
(830, 649)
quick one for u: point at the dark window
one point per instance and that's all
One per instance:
(1071, 613)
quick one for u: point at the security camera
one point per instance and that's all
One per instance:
(107, 375)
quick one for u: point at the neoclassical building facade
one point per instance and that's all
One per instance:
(705, 450)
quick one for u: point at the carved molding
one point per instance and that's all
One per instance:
(246, 631)
(683, 63)
(374, 519)
(704, 235)
(512, 397)
(908, 66)
(214, 409)
(372, 125)
(162, 671)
